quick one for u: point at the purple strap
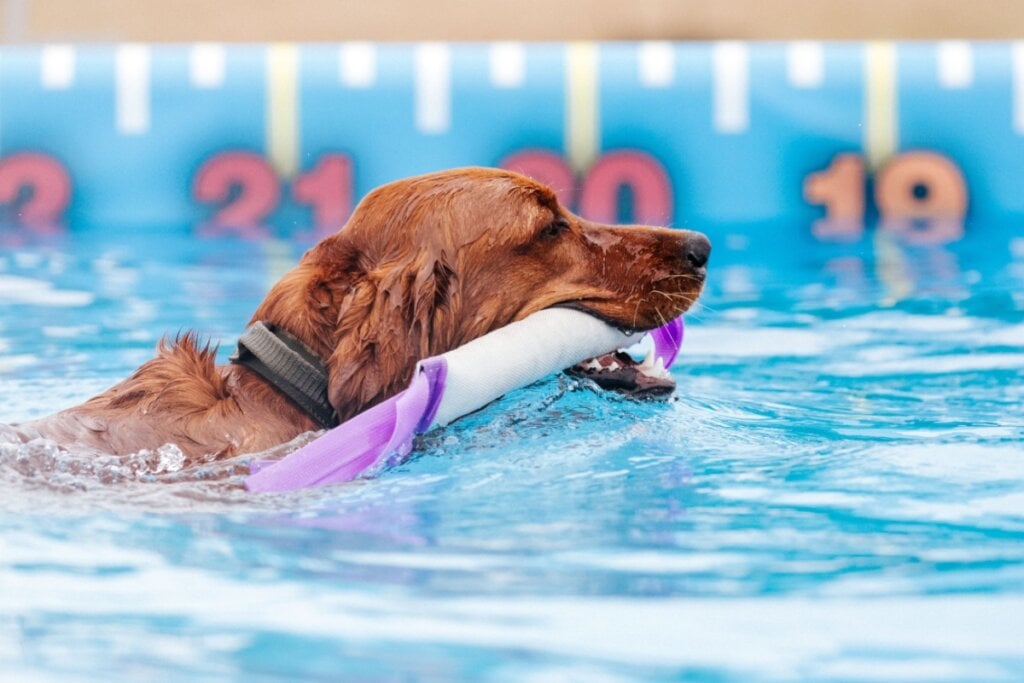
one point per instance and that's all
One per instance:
(382, 435)
(667, 340)
(370, 438)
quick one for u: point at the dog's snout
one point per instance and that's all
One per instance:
(698, 249)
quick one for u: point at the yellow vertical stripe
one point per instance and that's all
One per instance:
(880, 128)
(283, 108)
(581, 125)
(881, 139)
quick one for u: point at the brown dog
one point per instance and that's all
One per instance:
(423, 265)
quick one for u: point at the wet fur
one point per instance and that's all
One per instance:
(423, 265)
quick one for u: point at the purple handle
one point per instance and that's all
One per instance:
(370, 438)
(668, 339)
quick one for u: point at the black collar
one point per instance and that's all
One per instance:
(290, 367)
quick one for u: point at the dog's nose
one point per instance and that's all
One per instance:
(698, 249)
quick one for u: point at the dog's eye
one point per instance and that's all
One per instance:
(555, 228)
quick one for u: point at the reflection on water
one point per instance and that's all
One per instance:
(835, 492)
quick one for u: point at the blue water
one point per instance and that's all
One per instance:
(834, 493)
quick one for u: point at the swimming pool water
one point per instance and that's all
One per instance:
(835, 492)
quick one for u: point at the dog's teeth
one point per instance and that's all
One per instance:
(614, 366)
(659, 368)
(648, 362)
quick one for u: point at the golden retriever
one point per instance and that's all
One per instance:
(423, 265)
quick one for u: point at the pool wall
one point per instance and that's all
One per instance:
(280, 140)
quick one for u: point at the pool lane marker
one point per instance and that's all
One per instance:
(1017, 52)
(880, 129)
(656, 65)
(132, 85)
(955, 62)
(433, 76)
(283, 108)
(731, 87)
(207, 65)
(805, 64)
(582, 132)
(357, 65)
(57, 67)
(507, 65)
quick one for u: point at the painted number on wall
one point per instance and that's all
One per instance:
(598, 194)
(35, 190)
(246, 190)
(920, 196)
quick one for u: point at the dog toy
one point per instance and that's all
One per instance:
(448, 386)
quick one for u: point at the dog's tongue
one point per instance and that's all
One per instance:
(619, 372)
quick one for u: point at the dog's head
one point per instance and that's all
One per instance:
(429, 263)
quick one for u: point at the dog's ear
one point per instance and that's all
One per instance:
(306, 300)
(392, 317)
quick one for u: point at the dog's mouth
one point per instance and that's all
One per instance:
(620, 372)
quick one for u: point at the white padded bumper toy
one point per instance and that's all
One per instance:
(451, 385)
